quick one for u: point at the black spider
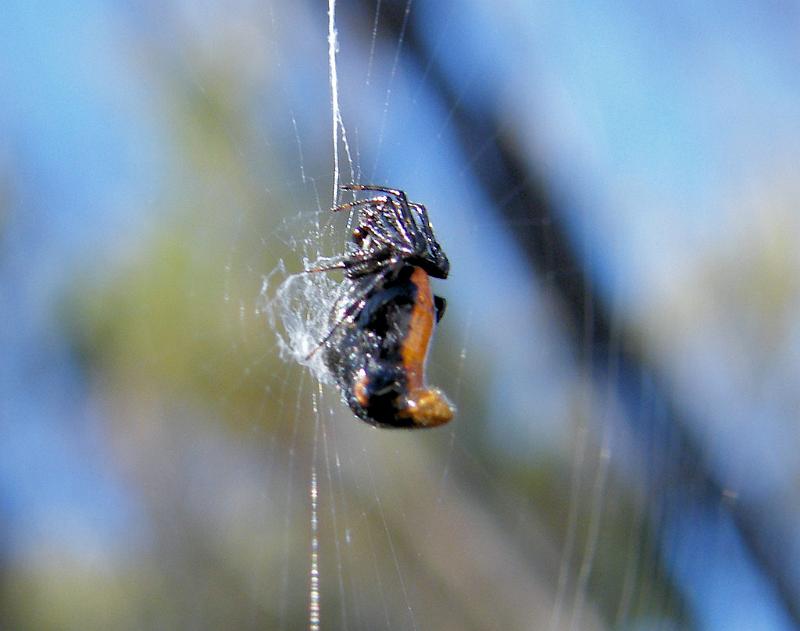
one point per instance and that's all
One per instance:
(391, 232)
(382, 324)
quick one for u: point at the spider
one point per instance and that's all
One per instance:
(382, 325)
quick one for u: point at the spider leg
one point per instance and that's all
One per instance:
(398, 218)
(430, 250)
(391, 213)
(390, 220)
(403, 213)
(386, 229)
(370, 187)
(383, 236)
(398, 214)
(365, 268)
(421, 214)
(393, 232)
(365, 259)
(326, 265)
(373, 201)
(355, 305)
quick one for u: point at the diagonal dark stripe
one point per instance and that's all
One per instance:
(500, 170)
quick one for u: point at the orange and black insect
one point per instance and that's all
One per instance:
(382, 326)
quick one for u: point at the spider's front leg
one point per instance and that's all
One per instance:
(355, 264)
(326, 264)
(370, 187)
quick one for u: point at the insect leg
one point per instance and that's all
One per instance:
(440, 305)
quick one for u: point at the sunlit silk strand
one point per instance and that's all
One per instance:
(313, 596)
(334, 79)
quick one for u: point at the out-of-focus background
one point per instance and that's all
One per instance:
(616, 187)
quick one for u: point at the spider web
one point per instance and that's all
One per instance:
(302, 303)
(298, 309)
(614, 329)
(571, 535)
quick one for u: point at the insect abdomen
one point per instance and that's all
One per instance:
(379, 360)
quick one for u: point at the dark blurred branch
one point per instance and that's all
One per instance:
(501, 170)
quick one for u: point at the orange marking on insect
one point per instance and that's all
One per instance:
(415, 345)
(360, 389)
(427, 407)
